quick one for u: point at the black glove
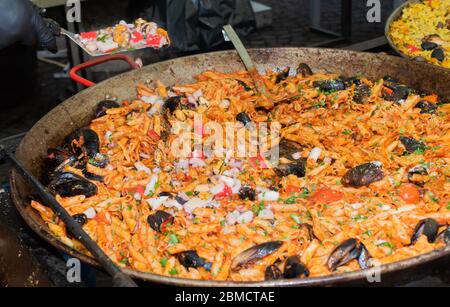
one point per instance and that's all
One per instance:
(20, 21)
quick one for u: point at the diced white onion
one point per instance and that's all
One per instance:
(137, 196)
(232, 217)
(217, 188)
(314, 155)
(245, 217)
(90, 213)
(197, 94)
(150, 187)
(155, 203)
(172, 203)
(266, 214)
(267, 195)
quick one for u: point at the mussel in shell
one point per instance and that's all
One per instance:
(282, 75)
(243, 118)
(330, 85)
(427, 227)
(297, 168)
(83, 141)
(411, 144)
(417, 175)
(172, 103)
(190, 259)
(363, 175)
(67, 184)
(272, 272)
(247, 192)
(104, 105)
(426, 107)
(159, 220)
(304, 70)
(294, 268)
(398, 93)
(444, 236)
(347, 251)
(438, 54)
(254, 253)
(362, 92)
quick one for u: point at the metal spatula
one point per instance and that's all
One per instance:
(72, 36)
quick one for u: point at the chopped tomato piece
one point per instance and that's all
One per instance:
(153, 40)
(88, 35)
(227, 191)
(258, 161)
(292, 189)
(140, 189)
(412, 48)
(326, 195)
(152, 134)
(137, 37)
(409, 193)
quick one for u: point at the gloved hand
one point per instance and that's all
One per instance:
(20, 21)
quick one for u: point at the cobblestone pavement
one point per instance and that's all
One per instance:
(290, 27)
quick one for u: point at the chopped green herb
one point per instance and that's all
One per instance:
(173, 271)
(222, 223)
(347, 132)
(173, 239)
(257, 208)
(432, 197)
(163, 262)
(359, 218)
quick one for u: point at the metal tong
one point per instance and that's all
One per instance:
(120, 279)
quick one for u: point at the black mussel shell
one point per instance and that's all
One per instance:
(330, 85)
(165, 194)
(91, 176)
(272, 272)
(416, 171)
(282, 75)
(438, 54)
(363, 175)
(411, 145)
(80, 218)
(159, 220)
(294, 268)
(297, 168)
(364, 257)
(444, 236)
(343, 254)
(426, 107)
(427, 227)
(243, 118)
(84, 141)
(104, 105)
(399, 93)
(429, 45)
(172, 103)
(304, 70)
(254, 253)
(247, 192)
(349, 81)
(68, 184)
(244, 85)
(190, 259)
(362, 92)
(56, 160)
